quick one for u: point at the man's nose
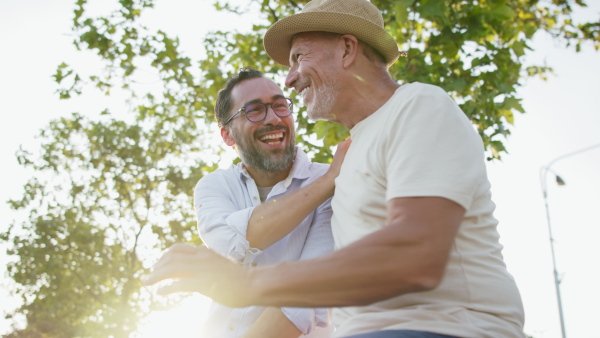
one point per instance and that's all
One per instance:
(291, 78)
(271, 117)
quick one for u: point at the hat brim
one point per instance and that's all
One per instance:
(278, 39)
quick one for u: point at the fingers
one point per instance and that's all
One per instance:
(177, 252)
(179, 267)
(176, 262)
(343, 146)
(184, 248)
(346, 142)
(218, 291)
(339, 156)
(184, 262)
(199, 269)
(181, 285)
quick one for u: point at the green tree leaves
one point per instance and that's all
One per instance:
(103, 187)
(112, 189)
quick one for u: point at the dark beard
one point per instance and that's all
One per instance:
(254, 157)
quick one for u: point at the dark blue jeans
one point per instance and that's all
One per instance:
(399, 334)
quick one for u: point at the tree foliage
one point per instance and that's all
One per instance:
(110, 189)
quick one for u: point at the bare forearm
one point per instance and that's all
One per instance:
(272, 221)
(357, 275)
(372, 269)
(408, 255)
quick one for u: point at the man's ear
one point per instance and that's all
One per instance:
(351, 47)
(226, 136)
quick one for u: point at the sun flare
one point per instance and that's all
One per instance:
(183, 321)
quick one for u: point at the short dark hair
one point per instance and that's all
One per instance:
(223, 104)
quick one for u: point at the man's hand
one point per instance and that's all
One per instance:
(422, 228)
(338, 159)
(268, 224)
(199, 269)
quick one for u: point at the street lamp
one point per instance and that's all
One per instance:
(543, 176)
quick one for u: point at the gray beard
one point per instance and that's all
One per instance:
(324, 101)
(253, 157)
(256, 158)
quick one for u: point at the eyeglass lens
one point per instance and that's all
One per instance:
(257, 112)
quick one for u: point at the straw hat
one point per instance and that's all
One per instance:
(357, 17)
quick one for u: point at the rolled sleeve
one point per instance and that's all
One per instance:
(241, 250)
(225, 200)
(222, 222)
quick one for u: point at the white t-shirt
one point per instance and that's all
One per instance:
(420, 143)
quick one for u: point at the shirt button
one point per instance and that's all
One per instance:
(254, 264)
(255, 198)
(231, 328)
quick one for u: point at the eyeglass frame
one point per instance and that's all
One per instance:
(243, 109)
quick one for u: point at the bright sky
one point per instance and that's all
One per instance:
(563, 115)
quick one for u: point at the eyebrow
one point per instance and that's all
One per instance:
(273, 98)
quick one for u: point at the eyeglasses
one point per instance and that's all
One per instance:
(257, 112)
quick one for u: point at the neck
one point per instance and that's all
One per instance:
(363, 96)
(268, 178)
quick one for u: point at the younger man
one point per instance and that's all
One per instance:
(243, 212)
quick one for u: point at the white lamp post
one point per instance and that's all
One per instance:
(543, 175)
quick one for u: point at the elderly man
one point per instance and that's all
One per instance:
(417, 251)
(254, 212)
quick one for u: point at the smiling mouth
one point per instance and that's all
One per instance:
(303, 91)
(272, 138)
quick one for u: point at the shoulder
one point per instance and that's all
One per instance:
(318, 169)
(418, 89)
(308, 168)
(218, 177)
(420, 100)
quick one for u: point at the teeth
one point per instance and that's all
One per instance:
(304, 91)
(271, 137)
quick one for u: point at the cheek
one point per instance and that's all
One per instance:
(237, 133)
(289, 121)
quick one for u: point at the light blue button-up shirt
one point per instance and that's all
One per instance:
(224, 201)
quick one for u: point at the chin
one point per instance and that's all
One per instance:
(320, 116)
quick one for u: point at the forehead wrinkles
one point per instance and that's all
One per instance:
(312, 41)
